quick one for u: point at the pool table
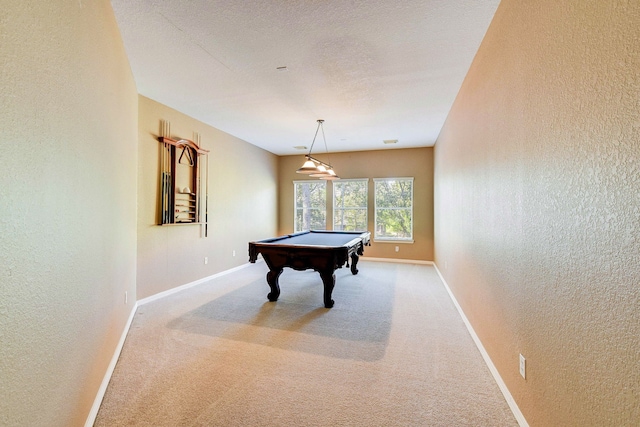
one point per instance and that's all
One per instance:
(322, 250)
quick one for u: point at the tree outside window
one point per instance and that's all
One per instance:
(393, 208)
(310, 205)
(350, 204)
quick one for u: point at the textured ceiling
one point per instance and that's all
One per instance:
(373, 70)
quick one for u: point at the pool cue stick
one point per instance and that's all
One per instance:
(198, 214)
(206, 199)
(165, 196)
(170, 188)
(162, 169)
(166, 176)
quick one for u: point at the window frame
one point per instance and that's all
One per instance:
(365, 207)
(295, 205)
(375, 211)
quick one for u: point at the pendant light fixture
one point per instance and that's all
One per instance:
(314, 167)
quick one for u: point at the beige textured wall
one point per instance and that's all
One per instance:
(242, 204)
(410, 162)
(68, 109)
(537, 178)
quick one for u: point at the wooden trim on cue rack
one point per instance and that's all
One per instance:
(181, 143)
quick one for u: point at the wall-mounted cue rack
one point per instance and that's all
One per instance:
(183, 180)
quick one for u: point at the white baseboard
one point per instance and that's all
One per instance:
(116, 355)
(191, 284)
(496, 375)
(401, 261)
(91, 419)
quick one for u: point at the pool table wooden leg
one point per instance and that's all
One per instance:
(329, 281)
(354, 262)
(272, 280)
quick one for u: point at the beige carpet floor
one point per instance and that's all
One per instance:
(393, 351)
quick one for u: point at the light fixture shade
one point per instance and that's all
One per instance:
(320, 172)
(331, 175)
(308, 167)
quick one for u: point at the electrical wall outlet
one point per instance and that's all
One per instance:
(126, 297)
(397, 248)
(523, 367)
(234, 253)
(206, 260)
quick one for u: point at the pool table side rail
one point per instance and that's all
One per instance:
(254, 247)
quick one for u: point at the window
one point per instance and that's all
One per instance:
(394, 208)
(350, 204)
(311, 205)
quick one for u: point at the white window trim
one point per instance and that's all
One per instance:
(375, 212)
(295, 207)
(366, 208)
